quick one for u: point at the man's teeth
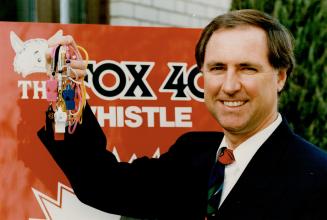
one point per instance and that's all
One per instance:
(234, 104)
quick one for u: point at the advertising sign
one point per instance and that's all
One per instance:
(142, 84)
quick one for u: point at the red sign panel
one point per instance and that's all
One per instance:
(142, 84)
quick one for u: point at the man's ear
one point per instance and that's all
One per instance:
(281, 80)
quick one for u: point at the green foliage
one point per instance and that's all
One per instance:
(304, 100)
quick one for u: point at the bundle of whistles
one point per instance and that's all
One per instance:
(66, 92)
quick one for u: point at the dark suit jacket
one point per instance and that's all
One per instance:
(286, 178)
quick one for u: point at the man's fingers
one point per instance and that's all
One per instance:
(55, 41)
(75, 64)
(79, 73)
(78, 68)
(78, 64)
(63, 40)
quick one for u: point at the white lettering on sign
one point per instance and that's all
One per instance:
(134, 116)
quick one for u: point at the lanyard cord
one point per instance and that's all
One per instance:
(67, 85)
(56, 58)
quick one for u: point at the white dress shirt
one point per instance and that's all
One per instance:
(243, 154)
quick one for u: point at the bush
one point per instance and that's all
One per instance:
(304, 99)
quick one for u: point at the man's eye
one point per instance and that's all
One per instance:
(249, 70)
(217, 68)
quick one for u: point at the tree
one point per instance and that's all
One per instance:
(304, 99)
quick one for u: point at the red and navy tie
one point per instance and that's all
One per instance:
(216, 180)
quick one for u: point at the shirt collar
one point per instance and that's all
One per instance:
(246, 150)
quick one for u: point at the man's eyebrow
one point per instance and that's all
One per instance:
(248, 64)
(214, 63)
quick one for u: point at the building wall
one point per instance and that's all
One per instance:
(177, 13)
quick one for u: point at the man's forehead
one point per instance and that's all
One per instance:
(246, 43)
(244, 32)
(241, 27)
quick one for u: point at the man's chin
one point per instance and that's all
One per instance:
(234, 128)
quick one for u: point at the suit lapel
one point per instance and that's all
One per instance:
(258, 185)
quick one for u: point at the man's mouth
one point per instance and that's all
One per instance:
(233, 103)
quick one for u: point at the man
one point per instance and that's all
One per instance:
(246, 57)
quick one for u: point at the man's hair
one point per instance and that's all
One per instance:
(279, 39)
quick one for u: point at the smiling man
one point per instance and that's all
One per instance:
(256, 169)
(241, 86)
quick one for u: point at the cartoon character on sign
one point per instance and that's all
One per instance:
(30, 55)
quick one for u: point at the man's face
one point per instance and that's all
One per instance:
(240, 85)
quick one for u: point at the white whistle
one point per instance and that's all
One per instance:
(59, 82)
(60, 121)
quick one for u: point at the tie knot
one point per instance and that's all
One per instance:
(226, 156)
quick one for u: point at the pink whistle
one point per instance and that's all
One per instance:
(52, 87)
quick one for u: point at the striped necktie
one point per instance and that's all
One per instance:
(216, 180)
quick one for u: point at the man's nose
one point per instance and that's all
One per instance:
(232, 83)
